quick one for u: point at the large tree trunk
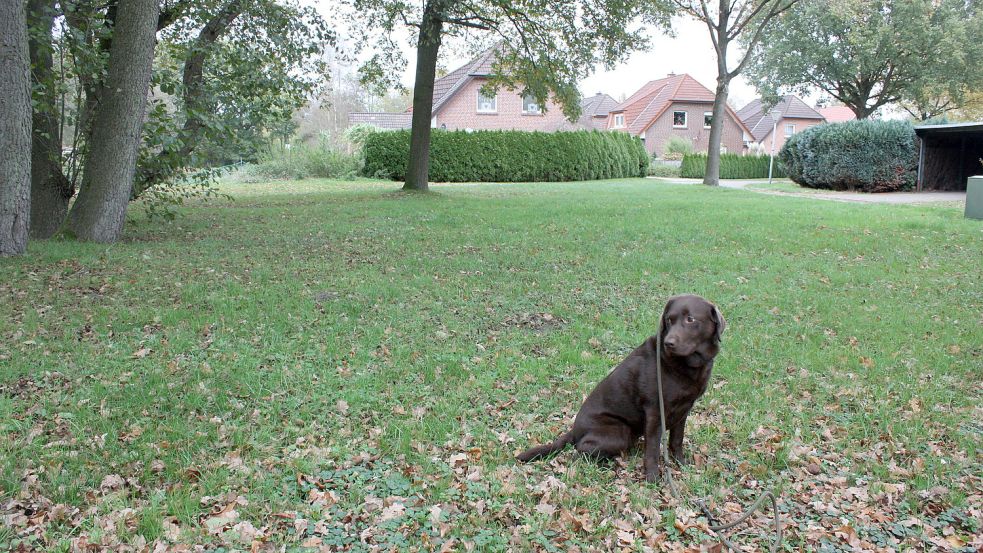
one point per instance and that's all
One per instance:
(15, 129)
(427, 48)
(712, 175)
(50, 189)
(107, 180)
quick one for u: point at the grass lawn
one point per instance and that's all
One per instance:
(344, 366)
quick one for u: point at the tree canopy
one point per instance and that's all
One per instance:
(869, 54)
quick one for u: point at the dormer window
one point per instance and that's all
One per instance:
(619, 121)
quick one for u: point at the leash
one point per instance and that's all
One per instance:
(714, 525)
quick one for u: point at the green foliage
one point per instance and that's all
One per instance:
(511, 156)
(300, 161)
(218, 97)
(657, 169)
(865, 155)
(561, 41)
(357, 135)
(677, 147)
(732, 166)
(871, 53)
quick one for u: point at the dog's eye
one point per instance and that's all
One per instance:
(690, 319)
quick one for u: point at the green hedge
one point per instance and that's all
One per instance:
(870, 156)
(732, 166)
(510, 156)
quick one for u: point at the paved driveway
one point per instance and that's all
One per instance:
(885, 198)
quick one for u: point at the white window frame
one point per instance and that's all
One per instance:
(619, 121)
(685, 124)
(529, 99)
(494, 101)
(789, 130)
(705, 114)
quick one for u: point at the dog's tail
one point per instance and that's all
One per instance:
(546, 450)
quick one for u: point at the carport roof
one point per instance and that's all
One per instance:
(923, 130)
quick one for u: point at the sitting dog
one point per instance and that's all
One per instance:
(625, 405)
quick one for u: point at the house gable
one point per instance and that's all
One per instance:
(645, 107)
(761, 122)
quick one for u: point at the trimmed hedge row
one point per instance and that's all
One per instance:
(510, 156)
(865, 155)
(732, 166)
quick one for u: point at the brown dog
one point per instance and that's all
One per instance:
(625, 405)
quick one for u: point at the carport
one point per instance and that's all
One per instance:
(948, 155)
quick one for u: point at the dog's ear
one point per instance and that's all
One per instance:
(663, 326)
(718, 319)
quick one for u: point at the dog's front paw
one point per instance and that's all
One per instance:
(653, 472)
(681, 457)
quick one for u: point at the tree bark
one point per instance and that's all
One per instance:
(107, 180)
(712, 175)
(50, 189)
(15, 129)
(427, 48)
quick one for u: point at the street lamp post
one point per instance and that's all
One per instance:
(774, 130)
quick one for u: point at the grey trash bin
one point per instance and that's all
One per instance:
(974, 198)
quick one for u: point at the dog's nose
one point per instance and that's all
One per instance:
(669, 343)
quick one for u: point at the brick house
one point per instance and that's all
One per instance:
(789, 116)
(677, 105)
(594, 111)
(458, 103)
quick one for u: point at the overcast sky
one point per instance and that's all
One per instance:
(690, 51)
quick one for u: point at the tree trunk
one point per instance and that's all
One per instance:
(861, 110)
(50, 189)
(712, 175)
(107, 180)
(428, 45)
(15, 129)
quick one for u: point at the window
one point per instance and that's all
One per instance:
(487, 104)
(707, 119)
(529, 104)
(619, 121)
(679, 119)
(789, 130)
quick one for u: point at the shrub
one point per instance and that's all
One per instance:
(657, 169)
(510, 156)
(676, 148)
(732, 166)
(865, 155)
(300, 161)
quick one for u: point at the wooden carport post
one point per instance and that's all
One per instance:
(921, 163)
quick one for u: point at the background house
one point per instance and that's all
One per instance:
(677, 105)
(594, 111)
(789, 116)
(458, 103)
(837, 114)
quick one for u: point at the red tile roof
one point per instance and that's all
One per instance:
(642, 108)
(761, 122)
(445, 87)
